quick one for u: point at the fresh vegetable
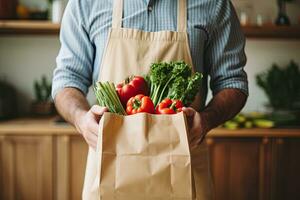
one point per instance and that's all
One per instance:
(138, 104)
(172, 85)
(250, 120)
(240, 118)
(173, 80)
(255, 115)
(263, 123)
(231, 125)
(132, 86)
(248, 124)
(168, 106)
(107, 96)
(186, 90)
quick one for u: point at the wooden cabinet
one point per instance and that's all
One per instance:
(255, 168)
(1, 169)
(70, 167)
(239, 167)
(26, 167)
(42, 167)
(39, 160)
(286, 167)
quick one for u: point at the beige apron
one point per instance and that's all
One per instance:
(131, 52)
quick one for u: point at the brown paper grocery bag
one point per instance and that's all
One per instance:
(143, 156)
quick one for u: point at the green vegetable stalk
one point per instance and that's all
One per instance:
(107, 96)
(173, 80)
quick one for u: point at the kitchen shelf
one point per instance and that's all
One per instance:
(27, 27)
(272, 32)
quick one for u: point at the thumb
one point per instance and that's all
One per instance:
(98, 110)
(190, 112)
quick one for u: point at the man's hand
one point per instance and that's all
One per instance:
(87, 123)
(72, 105)
(197, 128)
(223, 106)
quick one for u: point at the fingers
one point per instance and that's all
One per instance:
(90, 132)
(190, 112)
(192, 119)
(88, 124)
(98, 110)
(195, 132)
(196, 140)
(91, 140)
(93, 127)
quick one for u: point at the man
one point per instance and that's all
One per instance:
(216, 48)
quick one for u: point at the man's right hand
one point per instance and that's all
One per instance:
(87, 123)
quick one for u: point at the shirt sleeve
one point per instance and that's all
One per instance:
(75, 59)
(224, 55)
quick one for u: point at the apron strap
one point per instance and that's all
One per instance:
(117, 14)
(181, 16)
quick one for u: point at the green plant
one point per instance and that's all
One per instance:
(42, 89)
(281, 85)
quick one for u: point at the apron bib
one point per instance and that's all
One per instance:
(131, 52)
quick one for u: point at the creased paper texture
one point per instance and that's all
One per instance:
(143, 156)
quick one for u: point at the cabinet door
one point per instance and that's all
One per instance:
(71, 161)
(1, 169)
(286, 168)
(239, 168)
(26, 168)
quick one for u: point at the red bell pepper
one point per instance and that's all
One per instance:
(139, 104)
(131, 87)
(169, 106)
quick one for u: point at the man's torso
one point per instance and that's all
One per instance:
(157, 15)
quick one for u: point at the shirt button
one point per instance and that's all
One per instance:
(150, 8)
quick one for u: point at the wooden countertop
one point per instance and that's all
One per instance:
(50, 127)
(31, 126)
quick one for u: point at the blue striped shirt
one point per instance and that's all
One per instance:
(215, 38)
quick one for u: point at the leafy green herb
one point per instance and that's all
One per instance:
(173, 80)
(193, 87)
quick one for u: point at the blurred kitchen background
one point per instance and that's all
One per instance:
(28, 51)
(29, 44)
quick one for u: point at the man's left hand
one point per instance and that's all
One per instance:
(197, 130)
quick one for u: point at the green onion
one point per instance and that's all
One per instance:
(107, 96)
